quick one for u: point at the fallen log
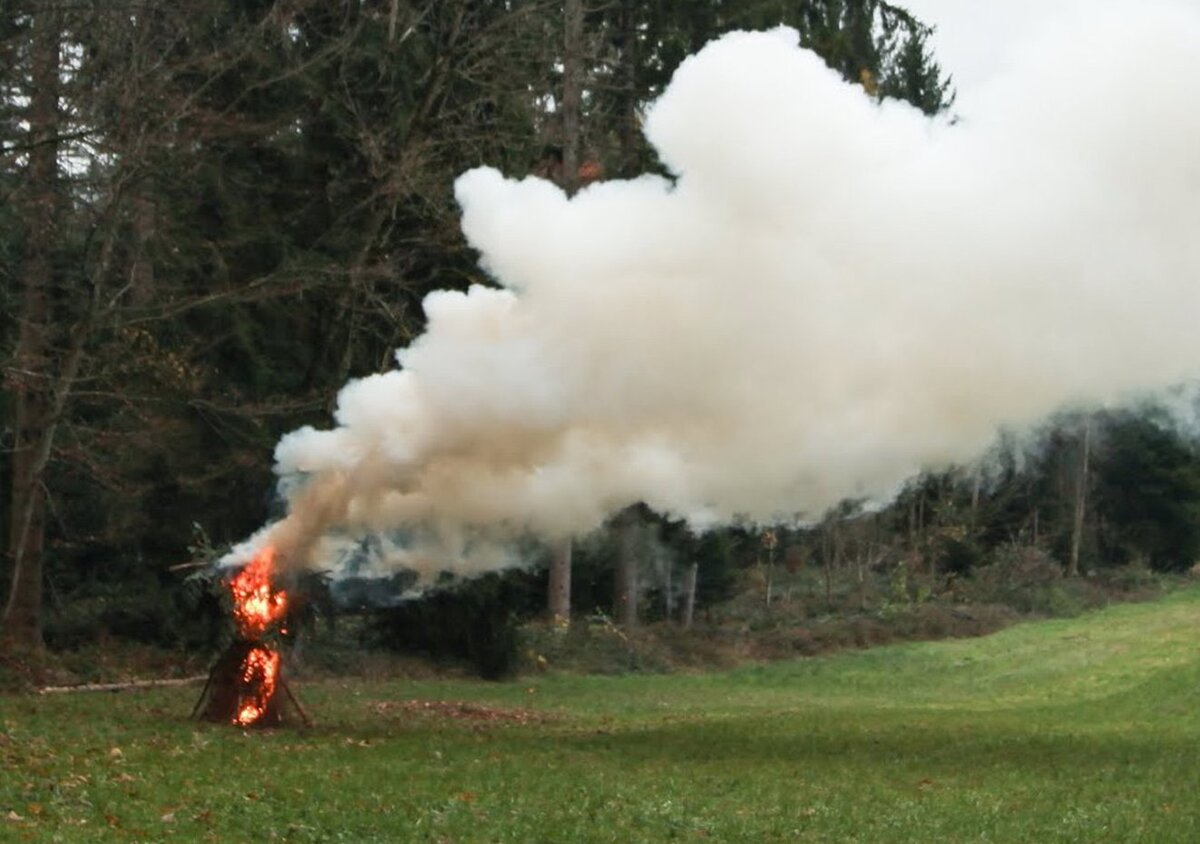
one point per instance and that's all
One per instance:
(121, 687)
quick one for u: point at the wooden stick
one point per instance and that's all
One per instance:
(120, 687)
(203, 693)
(295, 703)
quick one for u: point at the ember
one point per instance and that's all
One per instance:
(243, 685)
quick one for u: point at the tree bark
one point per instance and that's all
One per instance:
(689, 594)
(572, 93)
(559, 592)
(668, 597)
(976, 484)
(141, 272)
(770, 574)
(827, 551)
(627, 570)
(1081, 481)
(627, 127)
(558, 589)
(31, 385)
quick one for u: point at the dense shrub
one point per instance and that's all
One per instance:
(1023, 577)
(186, 615)
(474, 622)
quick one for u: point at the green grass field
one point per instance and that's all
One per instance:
(1082, 730)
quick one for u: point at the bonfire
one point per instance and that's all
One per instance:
(244, 684)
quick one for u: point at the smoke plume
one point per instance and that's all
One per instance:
(829, 295)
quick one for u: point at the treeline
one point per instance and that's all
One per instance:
(213, 214)
(1093, 507)
(1087, 493)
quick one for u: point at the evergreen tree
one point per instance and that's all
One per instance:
(1148, 495)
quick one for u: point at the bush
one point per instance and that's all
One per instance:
(474, 622)
(175, 615)
(596, 645)
(1134, 578)
(1023, 577)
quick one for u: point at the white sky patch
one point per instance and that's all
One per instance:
(975, 39)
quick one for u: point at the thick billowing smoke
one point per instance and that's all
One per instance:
(829, 296)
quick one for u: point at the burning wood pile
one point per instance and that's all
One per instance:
(244, 684)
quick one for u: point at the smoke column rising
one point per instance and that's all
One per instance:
(831, 295)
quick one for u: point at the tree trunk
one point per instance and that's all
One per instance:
(689, 594)
(827, 558)
(558, 598)
(572, 93)
(393, 17)
(976, 483)
(667, 590)
(558, 589)
(860, 575)
(628, 132)
(921, 517)
(31, 384)
(1081, 480)
(770, 574)
(627, 569)
(141, 271)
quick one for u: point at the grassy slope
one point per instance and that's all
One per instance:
(1079, 730)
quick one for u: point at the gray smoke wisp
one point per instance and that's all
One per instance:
(830, 295)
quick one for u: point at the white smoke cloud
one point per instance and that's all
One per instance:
(831, 295)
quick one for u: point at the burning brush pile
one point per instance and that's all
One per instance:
(245, 684)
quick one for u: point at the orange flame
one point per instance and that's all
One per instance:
(260, 674)
(256, 606)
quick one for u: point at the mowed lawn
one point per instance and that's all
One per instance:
(1082, 730)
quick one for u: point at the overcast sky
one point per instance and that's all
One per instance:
(974, 37)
